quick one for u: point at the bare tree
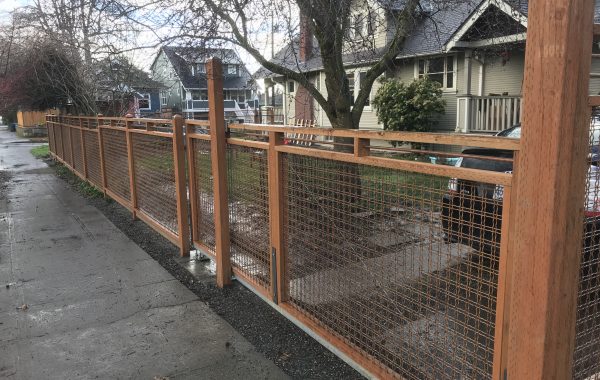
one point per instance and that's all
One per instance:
(344, 32)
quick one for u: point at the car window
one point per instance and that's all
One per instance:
(513, 133)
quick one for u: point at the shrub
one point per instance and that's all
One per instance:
(411, 107)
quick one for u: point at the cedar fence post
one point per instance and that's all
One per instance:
(218, 146)
(101, 154)
(183, 221)
(130, 163)
(279, 288)
(70, 129)
(547, 203)
(83, 155)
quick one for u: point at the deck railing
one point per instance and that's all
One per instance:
(489, 114)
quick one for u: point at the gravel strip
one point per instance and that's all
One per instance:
(278, 339)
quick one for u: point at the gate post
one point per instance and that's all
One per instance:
(218, 146)
(548, 198)
(183, 221)
(276, 220)
(131, 166)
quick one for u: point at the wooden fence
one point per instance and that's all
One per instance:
(140, 163)
(409, 269)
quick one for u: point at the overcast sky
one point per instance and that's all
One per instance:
(143, 58)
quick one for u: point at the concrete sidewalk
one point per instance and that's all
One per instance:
(97, 305)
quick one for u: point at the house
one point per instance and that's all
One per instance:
(474, 48)
(124, 89)
(182, 71)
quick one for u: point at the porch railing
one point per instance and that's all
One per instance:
(487, 113)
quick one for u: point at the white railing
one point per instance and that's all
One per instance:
(487, 113)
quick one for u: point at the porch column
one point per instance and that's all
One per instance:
(467, 82)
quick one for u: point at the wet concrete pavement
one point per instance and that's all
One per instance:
(97, 306)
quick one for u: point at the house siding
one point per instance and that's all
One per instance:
(161, 72)
(501, 77)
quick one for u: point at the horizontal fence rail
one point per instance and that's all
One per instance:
(140, 163)
(376, 252)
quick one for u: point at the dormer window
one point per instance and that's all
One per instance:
(201, 68)
(232, 69)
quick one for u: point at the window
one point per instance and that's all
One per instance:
(201, 68)
(144, 103)
(358, 26)
(351, 87)
(291, 86)
(439, 69)
(371, 23)
(232, 69)
(163, 99)
(361, 79)
(318, 82)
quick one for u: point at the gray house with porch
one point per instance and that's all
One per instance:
(475, 49)
(182, 71)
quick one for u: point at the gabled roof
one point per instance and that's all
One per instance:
(120, 75)
(428, 37)
(182, 58)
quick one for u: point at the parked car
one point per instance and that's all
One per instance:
(471, 211)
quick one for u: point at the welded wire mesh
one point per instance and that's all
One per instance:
(249, 212)
(586, 363)
(155, 178)
(66, 135)
(77, 150)
(116, 165)
(92, 154)
(395, 264)
(203, 224)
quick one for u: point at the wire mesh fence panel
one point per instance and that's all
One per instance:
(59, 141)
(395, 264)
(92, 153)
(249, 213)
(116, 165)
(77, 151)
(586, 364)
(66, 135)
(204, 224)
(155, 178)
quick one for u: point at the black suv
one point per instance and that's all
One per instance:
(472, 211)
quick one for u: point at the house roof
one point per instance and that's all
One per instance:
(122, 76)
(428, 37)
(182, 58)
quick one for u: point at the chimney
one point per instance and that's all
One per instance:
(306, 39)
